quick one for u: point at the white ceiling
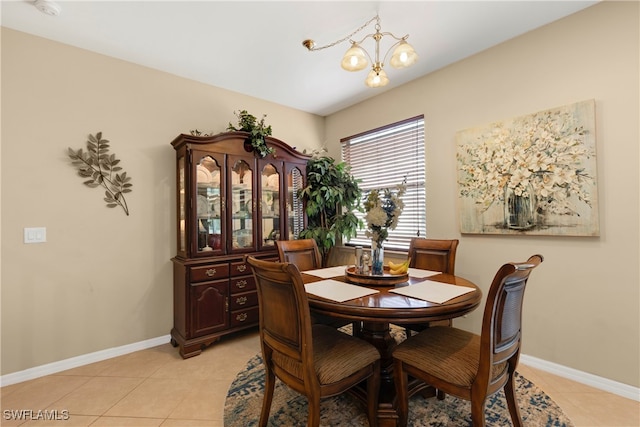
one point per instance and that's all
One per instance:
(255, 48)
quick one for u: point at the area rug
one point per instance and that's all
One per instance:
(244, 402)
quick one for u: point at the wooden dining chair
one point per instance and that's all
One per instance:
(469, 366)
(435, 255)
(315, 360)
(305, 255)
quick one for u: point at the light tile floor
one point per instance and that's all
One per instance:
(156, 387)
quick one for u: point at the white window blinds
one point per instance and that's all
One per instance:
(382, 158)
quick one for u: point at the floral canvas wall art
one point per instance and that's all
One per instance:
(534, 174)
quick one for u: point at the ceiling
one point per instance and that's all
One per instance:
(255, 48)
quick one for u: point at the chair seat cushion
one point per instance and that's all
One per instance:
(336, 355)
(448, 353)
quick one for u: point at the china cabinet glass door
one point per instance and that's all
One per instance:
(208, 206)
(295, 206)
(242, 205)
(182, 208)
(270, 205)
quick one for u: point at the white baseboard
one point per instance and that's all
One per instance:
(85, 359)
(595, 381)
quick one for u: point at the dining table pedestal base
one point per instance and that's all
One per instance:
(379, 334)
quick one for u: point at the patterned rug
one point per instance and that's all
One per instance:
(244, 401)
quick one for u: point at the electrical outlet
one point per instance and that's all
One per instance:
(35, 234)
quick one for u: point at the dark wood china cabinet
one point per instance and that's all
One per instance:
(230, 203)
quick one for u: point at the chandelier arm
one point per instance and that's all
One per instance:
(359, 43)
(405, 37)
(382, 34)
(313, 48)
(391, 48)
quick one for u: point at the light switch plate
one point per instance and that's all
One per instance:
(35, 234)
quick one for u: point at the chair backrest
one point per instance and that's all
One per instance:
(303, 253)
(434, 255)
(502, 320)
(285, 320)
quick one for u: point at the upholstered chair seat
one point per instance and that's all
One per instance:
(336, 356)
(446, 353)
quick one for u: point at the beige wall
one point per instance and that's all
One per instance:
(582, 306)
(103, 279)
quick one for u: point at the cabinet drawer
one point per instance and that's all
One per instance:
(240, 268)
(209, 272)
(244, 301)
(243, 317)
(242, 284)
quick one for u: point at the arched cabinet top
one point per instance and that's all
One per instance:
(234, 143)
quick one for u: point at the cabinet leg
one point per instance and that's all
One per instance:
(187, 351)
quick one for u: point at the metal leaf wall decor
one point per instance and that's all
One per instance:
(101, 169)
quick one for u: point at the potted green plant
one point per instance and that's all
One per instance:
(332, 195)
(257, 129)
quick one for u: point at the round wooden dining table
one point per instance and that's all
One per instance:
(373, 314)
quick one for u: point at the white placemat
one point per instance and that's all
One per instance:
(329, 272)
(420, 273)
(431, 291)
(337, 291)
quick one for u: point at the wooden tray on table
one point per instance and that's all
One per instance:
(387, 279)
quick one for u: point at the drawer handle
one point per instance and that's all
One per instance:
(211, 272)
(241, 300)
(241, 284)
(241, 317)
(241, 268)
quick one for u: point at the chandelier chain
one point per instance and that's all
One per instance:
(350, 35)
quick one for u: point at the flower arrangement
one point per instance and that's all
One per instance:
(383, 208)
(540, 156)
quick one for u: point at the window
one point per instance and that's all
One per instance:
(382, 158)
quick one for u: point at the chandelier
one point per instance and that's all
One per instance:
(356, 58)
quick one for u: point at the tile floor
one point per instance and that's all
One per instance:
(155, 387)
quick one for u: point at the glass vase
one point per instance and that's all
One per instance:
(377, 258)
(519, 209)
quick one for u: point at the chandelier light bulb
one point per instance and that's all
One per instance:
(354, 59)
(403, 56)
(376, 78)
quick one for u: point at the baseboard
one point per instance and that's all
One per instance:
(591, 380)
(75, 362)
